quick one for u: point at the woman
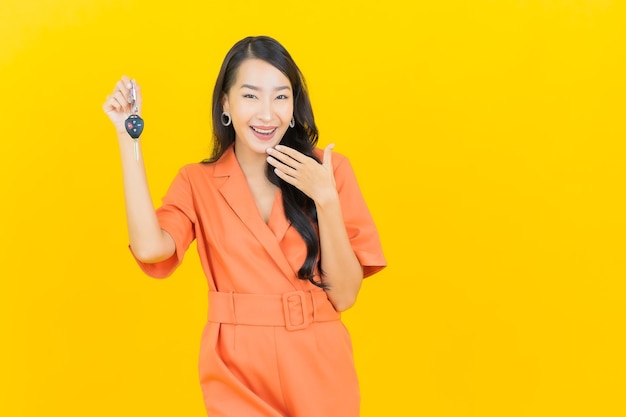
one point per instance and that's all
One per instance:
(283, 234)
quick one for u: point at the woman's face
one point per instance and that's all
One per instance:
(260, 103)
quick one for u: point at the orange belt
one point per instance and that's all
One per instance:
(294, 310)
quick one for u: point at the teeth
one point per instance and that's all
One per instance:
(264, 132)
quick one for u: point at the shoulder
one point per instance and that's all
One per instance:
(196, 169)
(194, 174)
(223, 167)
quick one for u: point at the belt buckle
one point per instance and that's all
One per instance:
(290, 302)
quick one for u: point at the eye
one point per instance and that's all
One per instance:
(282, 97)
(249, 95)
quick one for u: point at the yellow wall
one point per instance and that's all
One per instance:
(488, 137)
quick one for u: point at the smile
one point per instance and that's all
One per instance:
(263, 131)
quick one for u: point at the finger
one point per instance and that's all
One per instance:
(283, 168)
(283, 157)
(119, 101)
(292, 153)
(124, 88)
(114, 102)
(109, 105)
(328, 153)
(138, 95)
(285, 177)
(126, 80)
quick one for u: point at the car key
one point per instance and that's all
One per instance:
(134, 123)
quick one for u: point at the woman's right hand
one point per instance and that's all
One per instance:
(118, 104)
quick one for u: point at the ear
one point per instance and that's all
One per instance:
(225, 104)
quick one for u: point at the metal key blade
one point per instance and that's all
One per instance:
(136, 149)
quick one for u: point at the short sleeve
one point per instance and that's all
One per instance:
(360, 225)
(177, 217)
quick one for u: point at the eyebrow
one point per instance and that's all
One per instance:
(255, 88)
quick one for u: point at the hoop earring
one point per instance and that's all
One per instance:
(292, 123)
(226, 122)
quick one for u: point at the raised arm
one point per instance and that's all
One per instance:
(148, 241)
(341, 271)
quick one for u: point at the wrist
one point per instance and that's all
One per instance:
(327, 200)
(123, 136)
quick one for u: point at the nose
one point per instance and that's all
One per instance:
(265, 110)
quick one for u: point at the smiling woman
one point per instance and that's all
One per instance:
(261, 107)
(283, 234)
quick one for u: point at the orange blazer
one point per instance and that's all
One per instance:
(257, 364)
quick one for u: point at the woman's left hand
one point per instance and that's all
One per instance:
(315, 180)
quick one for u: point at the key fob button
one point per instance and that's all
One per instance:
(134, 126)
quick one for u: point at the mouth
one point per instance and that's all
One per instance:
(264, 132)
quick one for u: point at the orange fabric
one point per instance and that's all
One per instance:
(293, 310)
(263, 366)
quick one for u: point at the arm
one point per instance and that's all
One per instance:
(341, 270)
(148, 241)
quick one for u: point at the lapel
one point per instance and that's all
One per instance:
(278, 222)
(235, 190)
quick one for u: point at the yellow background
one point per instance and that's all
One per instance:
(488, 137)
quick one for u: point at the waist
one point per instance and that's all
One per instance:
(294, 310)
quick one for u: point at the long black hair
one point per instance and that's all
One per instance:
(299, 209)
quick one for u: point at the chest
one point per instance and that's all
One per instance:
(264, 195)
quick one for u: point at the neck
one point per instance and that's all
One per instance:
(252, 164)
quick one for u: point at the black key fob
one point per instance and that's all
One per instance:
(134, 126)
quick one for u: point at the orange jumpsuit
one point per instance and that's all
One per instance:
(273, 345)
